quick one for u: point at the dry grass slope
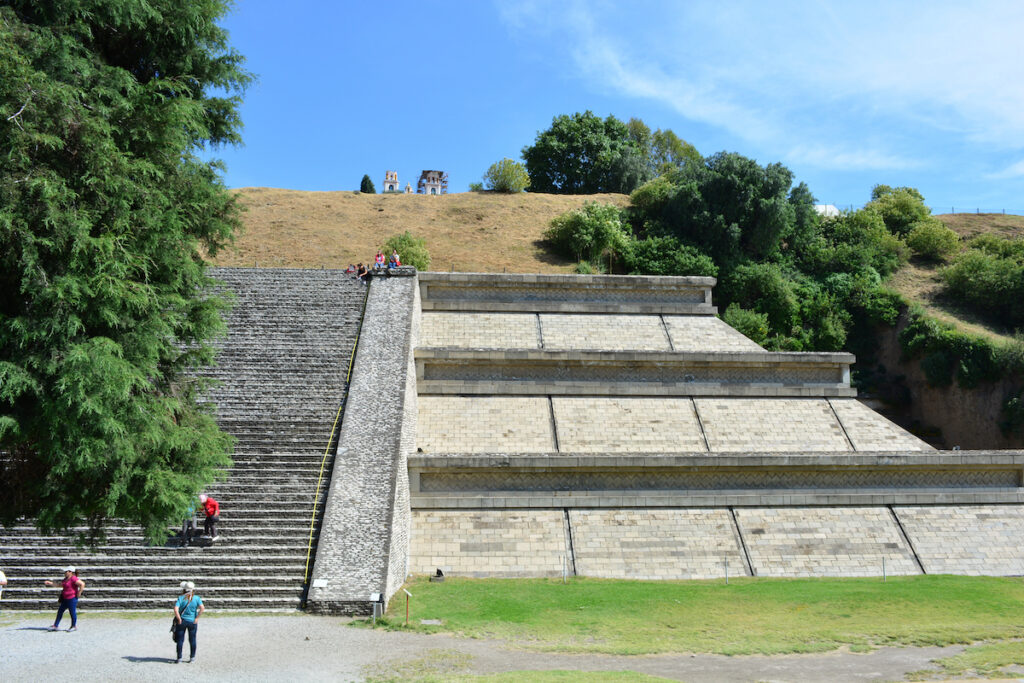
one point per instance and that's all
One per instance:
(920, 283)
(469, 232)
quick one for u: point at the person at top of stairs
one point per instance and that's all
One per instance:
(212, 509)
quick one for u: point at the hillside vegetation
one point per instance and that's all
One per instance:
(469, 232)
(486, 232)
(919, 281)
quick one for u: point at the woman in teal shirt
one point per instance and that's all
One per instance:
(186, 613)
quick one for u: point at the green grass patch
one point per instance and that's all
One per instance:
(748, 616)
(988, 660)
(447, 666)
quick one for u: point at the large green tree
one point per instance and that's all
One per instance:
(106, 311)
(584, 154)
(729, 206)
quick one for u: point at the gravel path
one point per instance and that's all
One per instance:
(308, 648)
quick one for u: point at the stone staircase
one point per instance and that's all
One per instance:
(283, 368)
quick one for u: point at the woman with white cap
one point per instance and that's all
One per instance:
(186, 613)
(71, 590)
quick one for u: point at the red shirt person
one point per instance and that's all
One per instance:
(212, 509)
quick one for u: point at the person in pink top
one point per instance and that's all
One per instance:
(378, 260)
(71, 589)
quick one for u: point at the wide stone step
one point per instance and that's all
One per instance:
(155, 581)
(193, 564)
(90, 604)
(170, 588)
(253, 532)
(105, 553)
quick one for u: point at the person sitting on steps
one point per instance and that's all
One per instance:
(212, 509)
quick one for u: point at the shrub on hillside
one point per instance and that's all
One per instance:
(666, 256)
(507, 175)
(586, 233)
(946, 353)
(762, 287)
(932, 240)
(990, 283)
(749, 323)
(901, 208)
(412, 250)
(366, 185)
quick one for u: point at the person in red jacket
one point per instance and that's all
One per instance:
(212, 510)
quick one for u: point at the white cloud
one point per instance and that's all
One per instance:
(833, 84)
(1012, 171)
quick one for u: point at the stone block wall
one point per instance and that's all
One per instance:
(975, 539)
(820, 541)
(496, 543)
(656, 543)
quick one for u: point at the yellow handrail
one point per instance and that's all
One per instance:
(330, 440)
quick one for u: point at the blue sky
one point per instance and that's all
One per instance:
(847, 95)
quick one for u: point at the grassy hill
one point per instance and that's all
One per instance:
(483, 232)
(470, 231)
(919, 282)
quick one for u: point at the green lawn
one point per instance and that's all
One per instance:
(767, 616)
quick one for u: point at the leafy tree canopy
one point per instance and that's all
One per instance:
(411, 250)
(728, 205)
(105, 307)
(588, 232)
(900, 207)
(366, 185)
(507, 175)
(585, 154)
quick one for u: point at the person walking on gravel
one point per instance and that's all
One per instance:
(212, 509)
(71, 590)
(187, 609)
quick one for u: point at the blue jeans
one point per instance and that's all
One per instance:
(179, 637)
(71, 605)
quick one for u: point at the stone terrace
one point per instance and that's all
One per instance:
(283, 368)
(613, 427)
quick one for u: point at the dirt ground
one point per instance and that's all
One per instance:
(306, 648)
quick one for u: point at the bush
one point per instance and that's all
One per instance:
(932, 240)
(749, 323)
(586, 233)
(946, 353)
(366, 185)
(651, 196)
(476, 187)
(666, 256)
(990, 283)
(900, 208)
(763, 288)
(507, 175)
(1012, 421)
(412, 250)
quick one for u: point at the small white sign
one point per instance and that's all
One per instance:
(319, 583)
